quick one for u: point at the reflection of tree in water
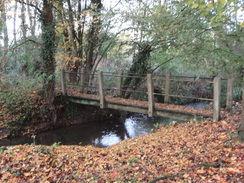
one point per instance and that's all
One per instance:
(112, 134)
(91, 133)
(100, 133)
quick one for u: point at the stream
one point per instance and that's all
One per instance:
(99, 134)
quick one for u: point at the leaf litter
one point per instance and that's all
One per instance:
(189, 152)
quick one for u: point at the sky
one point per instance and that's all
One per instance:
(114, 4)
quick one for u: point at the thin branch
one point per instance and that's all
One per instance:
(29, 4)
(27, 40)
(116, 4)
(162, 64)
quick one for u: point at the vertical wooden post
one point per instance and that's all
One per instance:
(82, 75)
(241, 127)
(101, 91)
(150, 95)
(167, 87)
(120, 80)
(216, 102)
(229, 99)
(63, 85)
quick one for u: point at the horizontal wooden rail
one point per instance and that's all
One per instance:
(197, 98)
(149, 81)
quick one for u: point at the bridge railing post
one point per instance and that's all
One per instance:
(82, 80)
(167, 87)
(100, 88)
(216, 99)
(150, 95)
(120, 81)
(63, 84)
(229, 99)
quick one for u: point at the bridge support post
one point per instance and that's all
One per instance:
(120, 80)
(101, 91)
(82, 80)
(150, 95)
(63, 85)
(229, 99)
(216, 101)
(167, 87)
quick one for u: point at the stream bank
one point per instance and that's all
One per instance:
(89, 125)
(39, 121)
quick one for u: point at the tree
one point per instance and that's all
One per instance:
(48, 50)
(4, 29)
(84, 32)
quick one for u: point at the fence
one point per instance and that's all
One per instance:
(150, 87)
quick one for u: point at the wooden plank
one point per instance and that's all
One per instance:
(150, 95)
(82, 79)
(100, 88)
(178, 116)
(229, 99)
(127, 108)
(120, 81)
(216, 101)
(180, 96)
(63, 85)
(84, 101)
(142, 110)
(167, 87)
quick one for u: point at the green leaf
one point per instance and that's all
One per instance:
(242, 24)
(194, 5)
(222, 2)
(190, 2)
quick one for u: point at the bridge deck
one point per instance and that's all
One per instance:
(161, 109)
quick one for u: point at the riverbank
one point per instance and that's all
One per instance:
(29, 115)
(199, 152)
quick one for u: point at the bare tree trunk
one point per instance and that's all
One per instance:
(5, 35)
(81, 29)
(241, 127)
(30, 18)
(33, 29)
(74, 64)
(93, 38)
(24, 33)
(15, 33)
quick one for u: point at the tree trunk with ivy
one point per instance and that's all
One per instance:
(48, 49)
(140, 66)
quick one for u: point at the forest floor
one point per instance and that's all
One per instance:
(189, 152)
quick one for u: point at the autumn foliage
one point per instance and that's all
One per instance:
(190, 152)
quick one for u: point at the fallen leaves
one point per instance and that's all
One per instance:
(130, 102)
(190, 152)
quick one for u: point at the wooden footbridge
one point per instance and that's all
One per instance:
(153, 95)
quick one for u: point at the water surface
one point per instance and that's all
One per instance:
(100, 134)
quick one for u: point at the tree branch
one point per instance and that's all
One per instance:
(29, 4)
(27, 40)
(162, 64)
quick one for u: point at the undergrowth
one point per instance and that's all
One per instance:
(19, 105)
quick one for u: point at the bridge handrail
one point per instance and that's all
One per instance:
(149, 79)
